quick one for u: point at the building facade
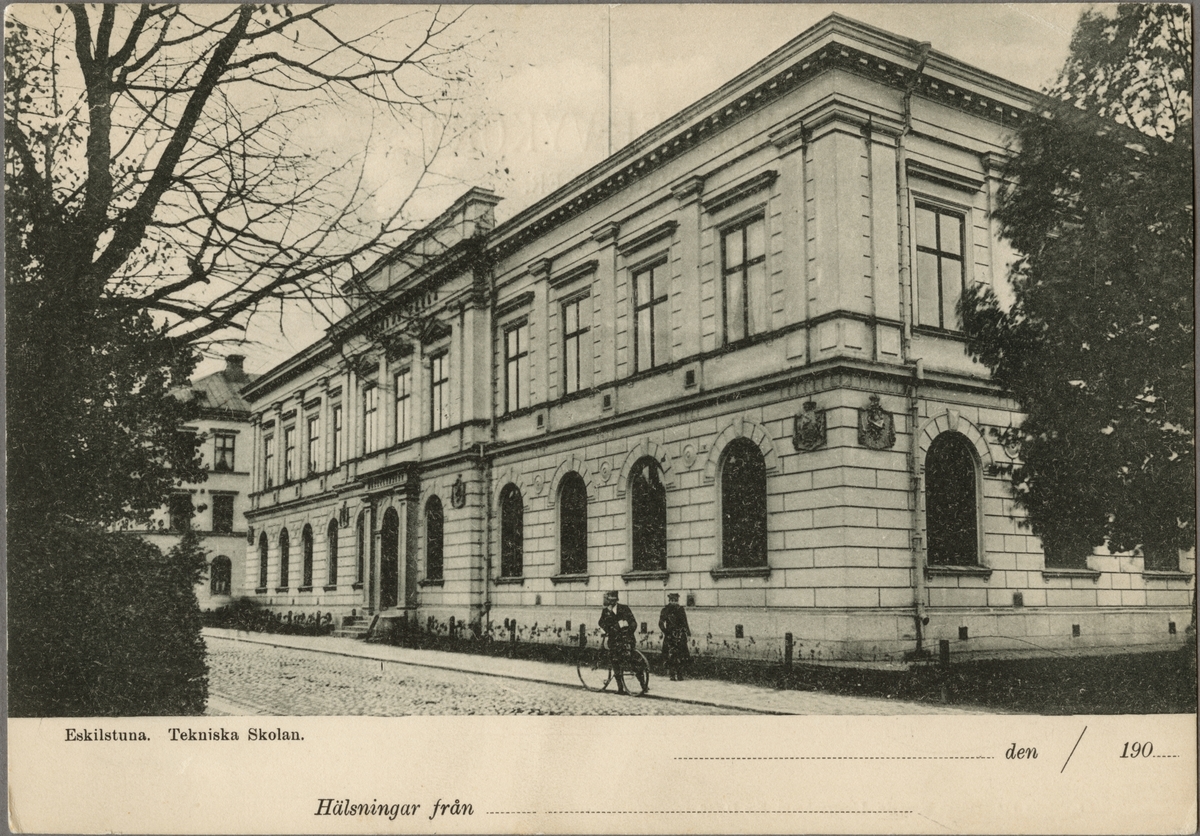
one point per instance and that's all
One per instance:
(216, 508)
(727, 362)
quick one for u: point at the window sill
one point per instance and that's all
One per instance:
(1166, 575)
(330, 588)
(432, 582)
(557, 579)
(517, 580)
(282, 588)
(1089, 574)
(741, 572)
(305, 589)
(357, 585)
(959, 571)
(646, 575)
(262, 590)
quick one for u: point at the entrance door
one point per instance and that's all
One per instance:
(389, 569)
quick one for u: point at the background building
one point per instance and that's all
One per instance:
(726, 361)
(217, 507)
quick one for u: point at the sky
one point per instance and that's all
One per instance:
(540, 100)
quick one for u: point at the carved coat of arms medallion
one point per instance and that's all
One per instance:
(876, 426)
(808, 432)
(458, 493)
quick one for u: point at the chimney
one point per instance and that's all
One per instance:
(233, 367)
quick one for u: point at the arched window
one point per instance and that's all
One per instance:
(332, 537)
(648, 510)
(284, 569)
(743, 506)
(220, 574)
(262, 560)
(306, 540)
(572, 525)
(360, 547)
(951, 502)
(433, 539)
(512, 532)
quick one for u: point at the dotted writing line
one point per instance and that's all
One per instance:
(855, 758)
(709, 812)
(1165, 756)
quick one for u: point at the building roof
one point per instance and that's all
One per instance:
(219, 394)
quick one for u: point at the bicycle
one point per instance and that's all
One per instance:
(596, 672)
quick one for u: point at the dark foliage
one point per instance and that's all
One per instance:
(1098, 346)
(103, 624)
(248, 615)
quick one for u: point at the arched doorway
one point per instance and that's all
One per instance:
(389, 570)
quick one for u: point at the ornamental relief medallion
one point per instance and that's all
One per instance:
(808, 431)
(876, 426)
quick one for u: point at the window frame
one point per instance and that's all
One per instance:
(285, 560)
(222, 585)
(403, 423)
(512, 532)
(269, 460)
(313, 431)
(176, 521)
(370, 418)
(650, 266)
(439, 387)
(578, 336)
(306, 557)
(331, 552)
(575, 563)
(434, 503)
(224, 443)
(223, 497)
(975, 479)
(761, 518)
(939, 210)
(289, 454)
(742, 270)
(339, 434)
(516, 361)
(639, 524)
(264, 553)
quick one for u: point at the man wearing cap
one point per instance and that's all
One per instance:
(618, 623)
(672, 621)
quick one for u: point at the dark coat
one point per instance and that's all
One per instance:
(673, 623)
(619, 637)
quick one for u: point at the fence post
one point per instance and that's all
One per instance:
(787, 651)
(944, 652)
(582, 635)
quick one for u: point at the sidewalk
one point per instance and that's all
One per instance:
(717, 693)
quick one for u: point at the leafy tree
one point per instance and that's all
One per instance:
(163, 180)
(1098, 345)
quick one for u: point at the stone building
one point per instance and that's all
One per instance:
(725, 361)
(217, 507)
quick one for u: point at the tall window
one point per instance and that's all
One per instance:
(180, 509)
(269, 461)
(262, 561)
(512, 532)
(433, 539)
(648, 509)
(222, 513)
(572, 525)
(306, 547)
(743, 506)
(284, 567)
(575, 347)
(331, 536)
(439, 385)
(651, 336)
(516, 367)
(360, 547)
(370, 425)
(220, 574)
(403, 406)
(289, 454)
(744, 270)
(951, 502)
(339, 436)
(314, 443)
(223, 453)
(939, 235)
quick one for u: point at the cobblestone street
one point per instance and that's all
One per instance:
(255, 673)
(287, 681)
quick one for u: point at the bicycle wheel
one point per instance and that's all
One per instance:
(593, 669)
(640, 669)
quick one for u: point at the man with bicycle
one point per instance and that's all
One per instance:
(618, 623)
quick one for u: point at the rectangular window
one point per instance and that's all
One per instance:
(222, 513)
(370, 425)
(180, 509)
(289, 453)
(575, 346)
(269, 461)
(403, 405)
(439, 380)
(223, 453)
(939, 269)
(314, 443)
(516, 367)
(339, 436)
(744, 273)
(651, 336)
